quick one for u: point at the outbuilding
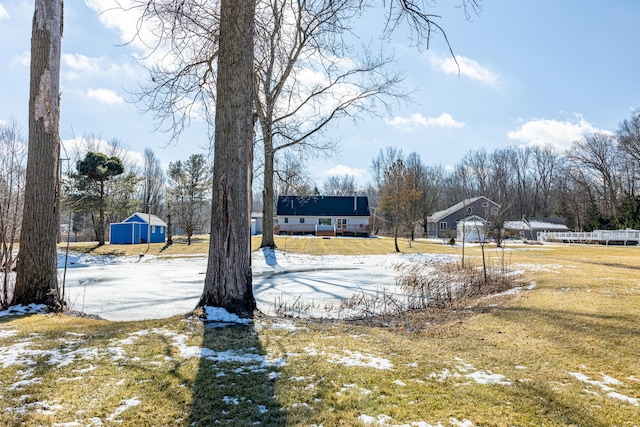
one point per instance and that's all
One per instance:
(138, 228)
(529, 228)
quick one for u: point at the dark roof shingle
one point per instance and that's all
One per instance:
(323, 206)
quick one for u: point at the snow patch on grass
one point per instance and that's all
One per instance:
(124, 405)
(386, 420)
(21, 310)
(467, 370)
(355, 358)
(604, 386)
(219, 314)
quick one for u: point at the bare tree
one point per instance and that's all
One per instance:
(297, 39)
(13, 156)
(339, 185)
(595, 155)
(293, 177)
(523, 182)
(37, 275)
(398, 195)
(628, 134)
(428, 181)
(546, 163)
(189, 182)
(228, 281)
(379, 165)
(153, 184)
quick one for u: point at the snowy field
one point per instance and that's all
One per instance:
(132, 288)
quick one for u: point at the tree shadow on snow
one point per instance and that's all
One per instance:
(235, 381)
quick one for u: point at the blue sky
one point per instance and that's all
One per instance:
(532, 72)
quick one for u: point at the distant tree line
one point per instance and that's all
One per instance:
(592, 185)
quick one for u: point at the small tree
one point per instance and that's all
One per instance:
(397, 197)
(13, 156)
(153, 184)
(89, 181)
(188, 186)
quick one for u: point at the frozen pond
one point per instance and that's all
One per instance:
(150, 288)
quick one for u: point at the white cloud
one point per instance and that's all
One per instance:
(124, 18)
(24, 59)
(78, 145)
(105, 96)
(558, 133)
(341, 170)
(417, 120)
(121, 19)
(76, 65)
(468, 67)
(3, 13)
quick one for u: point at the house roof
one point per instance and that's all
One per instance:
(437, 216)
(323, 206)
(549, 224)
(144, 217)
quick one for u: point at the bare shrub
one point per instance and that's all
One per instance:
(364, 305)
(441, 285)
(286, 306)
(431, 286)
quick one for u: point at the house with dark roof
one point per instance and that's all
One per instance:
(323, 215)
(444, 223)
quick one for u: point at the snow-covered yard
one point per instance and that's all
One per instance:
(128, 288)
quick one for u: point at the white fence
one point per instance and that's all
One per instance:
(597, 236)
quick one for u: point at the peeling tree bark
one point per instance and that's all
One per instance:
(37, 276)
(228, 282)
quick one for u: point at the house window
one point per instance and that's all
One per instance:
(494, 211)
(469, 210)
(153, 228)
(342, 222)
(485, 205)
(443, 226)
(324, 221)
(301, 220)
(286, 220)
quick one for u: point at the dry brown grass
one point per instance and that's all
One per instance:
(581, 321)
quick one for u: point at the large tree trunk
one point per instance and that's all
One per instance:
(268, 196)
(228, 279)
(37, 278)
